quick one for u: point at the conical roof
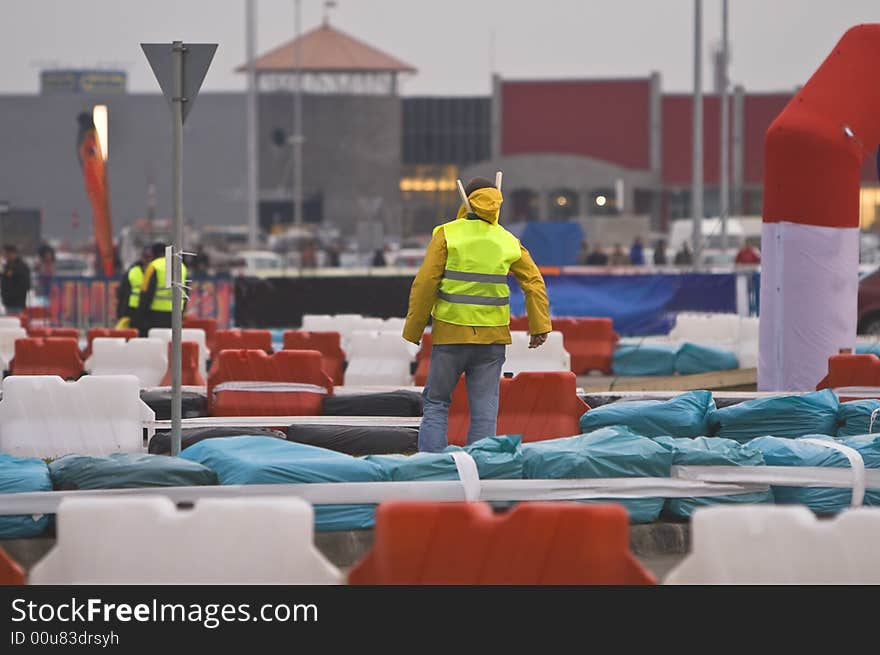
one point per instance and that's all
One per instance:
(326, 49)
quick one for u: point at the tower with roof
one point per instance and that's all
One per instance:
(351, 117)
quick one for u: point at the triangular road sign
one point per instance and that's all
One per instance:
(196, 61)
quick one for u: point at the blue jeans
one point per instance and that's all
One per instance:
(481, 365)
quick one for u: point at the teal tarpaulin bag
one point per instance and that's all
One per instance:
(854, 417)
(693, 358)
(265, 460)
(798, 452)
(614, 452)
(778, 416)
(18, 475)
(712, 451)
(127, 471)
(643, 359)
(685, 415)
(495, 457)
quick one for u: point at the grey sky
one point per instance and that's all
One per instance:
(776, 44)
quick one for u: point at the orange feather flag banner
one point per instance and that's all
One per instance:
(95, 175)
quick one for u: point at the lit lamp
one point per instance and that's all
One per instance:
(99, 117)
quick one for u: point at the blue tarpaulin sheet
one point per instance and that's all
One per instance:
(639, 304)
(553, 243)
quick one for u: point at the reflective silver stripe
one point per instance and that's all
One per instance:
(461, 276)
(463, 299)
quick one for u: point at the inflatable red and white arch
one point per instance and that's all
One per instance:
(814, 152)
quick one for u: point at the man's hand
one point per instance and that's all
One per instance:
(538, 340)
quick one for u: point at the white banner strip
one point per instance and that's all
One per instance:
(342, 493)
(284, 387)
(269, 421)
(468, 474)
(782, 476)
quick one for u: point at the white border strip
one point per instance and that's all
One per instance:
(343, 493)
(272, 421)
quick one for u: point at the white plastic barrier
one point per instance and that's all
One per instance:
(706, 329)
(376, 358)
(747, 346)
(187, 334)
(8, 335)
(44, 416)
(393, 324)
(147, 540)
(319, 323)
(766, 544)
(9, 322)
(552, 356)
(147, 359)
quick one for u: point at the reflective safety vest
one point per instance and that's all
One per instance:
(474, 288)
(162, 301)
(135, 281)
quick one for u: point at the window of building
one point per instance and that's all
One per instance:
(446, 130)
(564, 205)
(525, 205)
(869, 208)
(603, 202)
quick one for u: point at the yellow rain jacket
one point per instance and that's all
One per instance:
(428, 286)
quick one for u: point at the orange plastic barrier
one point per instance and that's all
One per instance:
(589, 341)
(239, 340)
(94, 333)
(11, 572)
(292, 366)
(209, 325)
(423, 361)
(47, 356)
(326, 343)
(189, 365)
(67, 333)
(533, 544)
(538, 406)
(852, 371)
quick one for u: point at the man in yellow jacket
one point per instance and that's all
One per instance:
(462, 284)
(155, 302)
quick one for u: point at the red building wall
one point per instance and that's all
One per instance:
(603, 119)
(610, 120)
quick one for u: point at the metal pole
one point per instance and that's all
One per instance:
(297, 121)
(250, 47)
(724, 171)
(697, 156)
(178, 50)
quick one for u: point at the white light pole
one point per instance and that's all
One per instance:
(297, 136)
(252, 179)
(697, 155)
(724, 170)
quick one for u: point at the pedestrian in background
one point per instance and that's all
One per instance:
(660, 253)
(16, 281)
(156, 301)
(128, 293)
(637, 253)
(684, 257)
(597, 257)
(618, 257)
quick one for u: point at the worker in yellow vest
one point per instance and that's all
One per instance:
(462, 284)
(155, 298)
(128, 293)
